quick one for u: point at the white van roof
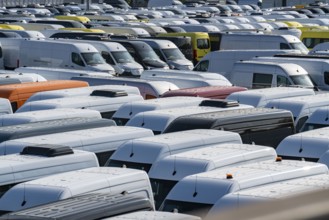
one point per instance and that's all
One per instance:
(319, 118)
(17, 168)
(150, 149)
(208, 158)
(61, 93)
(94, 139)
(65, 185)
(211, 186)
(23, 77)
(130, 109)
(99, 103)
(158, 120)
(278, 190)
(44, 115)
(152, 215)
(309, 144)
(297, 104)
(291, 68)
(260, 97)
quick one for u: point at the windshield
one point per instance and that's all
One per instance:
(122, 57)
(299, 46)
(310, 126)
(93, 58)
(160, 189)
(148, 54)
(173, 54)
(302, 80)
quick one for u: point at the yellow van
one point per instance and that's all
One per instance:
(199, 40)
(313, 37)
(11, 27)
(82, 19)
(293, 24)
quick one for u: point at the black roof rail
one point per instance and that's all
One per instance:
(219, 103)
(109, 93)
(47, 150)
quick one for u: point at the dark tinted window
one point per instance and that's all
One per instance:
(133, 165)
(198, 209)
(203, 44)
(300, 123)
(261, 80)
(160, 189)
(326, 78)
(107, 57)
(77, 59)
(202, 66)
(282, 81)
(103, 157)
(284, 46)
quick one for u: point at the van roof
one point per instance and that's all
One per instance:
(92, 139)
(128, 110)
(297, 104)
(309, 144)
(149, 149)
(147, 215)
(158, 120)
(319, 116)
(208, 158)
(44, 115)
(278, 190)
(90, 206)
(60, 93)
(294, 69)
(212, 185)
(14, 168)
(85, 102)
(260, 97)
(65, 185)
(206, 91)
(51, 126)
(10, 91)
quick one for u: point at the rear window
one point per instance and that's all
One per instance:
(203, 44)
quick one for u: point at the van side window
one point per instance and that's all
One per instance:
(107, 57)
(284, 46)
(202, 43)
(0, 52)
(202, 66)
(158, 52)
(77, 59)
(309, 42)
(261, 80)
(14, 106)
(282, 81)
(326, 78)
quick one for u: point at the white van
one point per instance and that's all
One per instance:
(106, 102)
(59, 73)
(148, 89)
(130, 109)
(261, 41)
(103, 140)
(38, 161)
(113, 181)
(256, 75)
(169, 53)
(166, 172)
(301, 107)
(268, 192)
(159, 120)
(260, 97)
(33, 52)
(318, 69)
(45, 115)
(318, 119)
(199, 27)
(202, 191)
(146, 215)
(222, 61)
(117, 56)
(308, 145)
(84, 91)
(121, 30)
(142, 153)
